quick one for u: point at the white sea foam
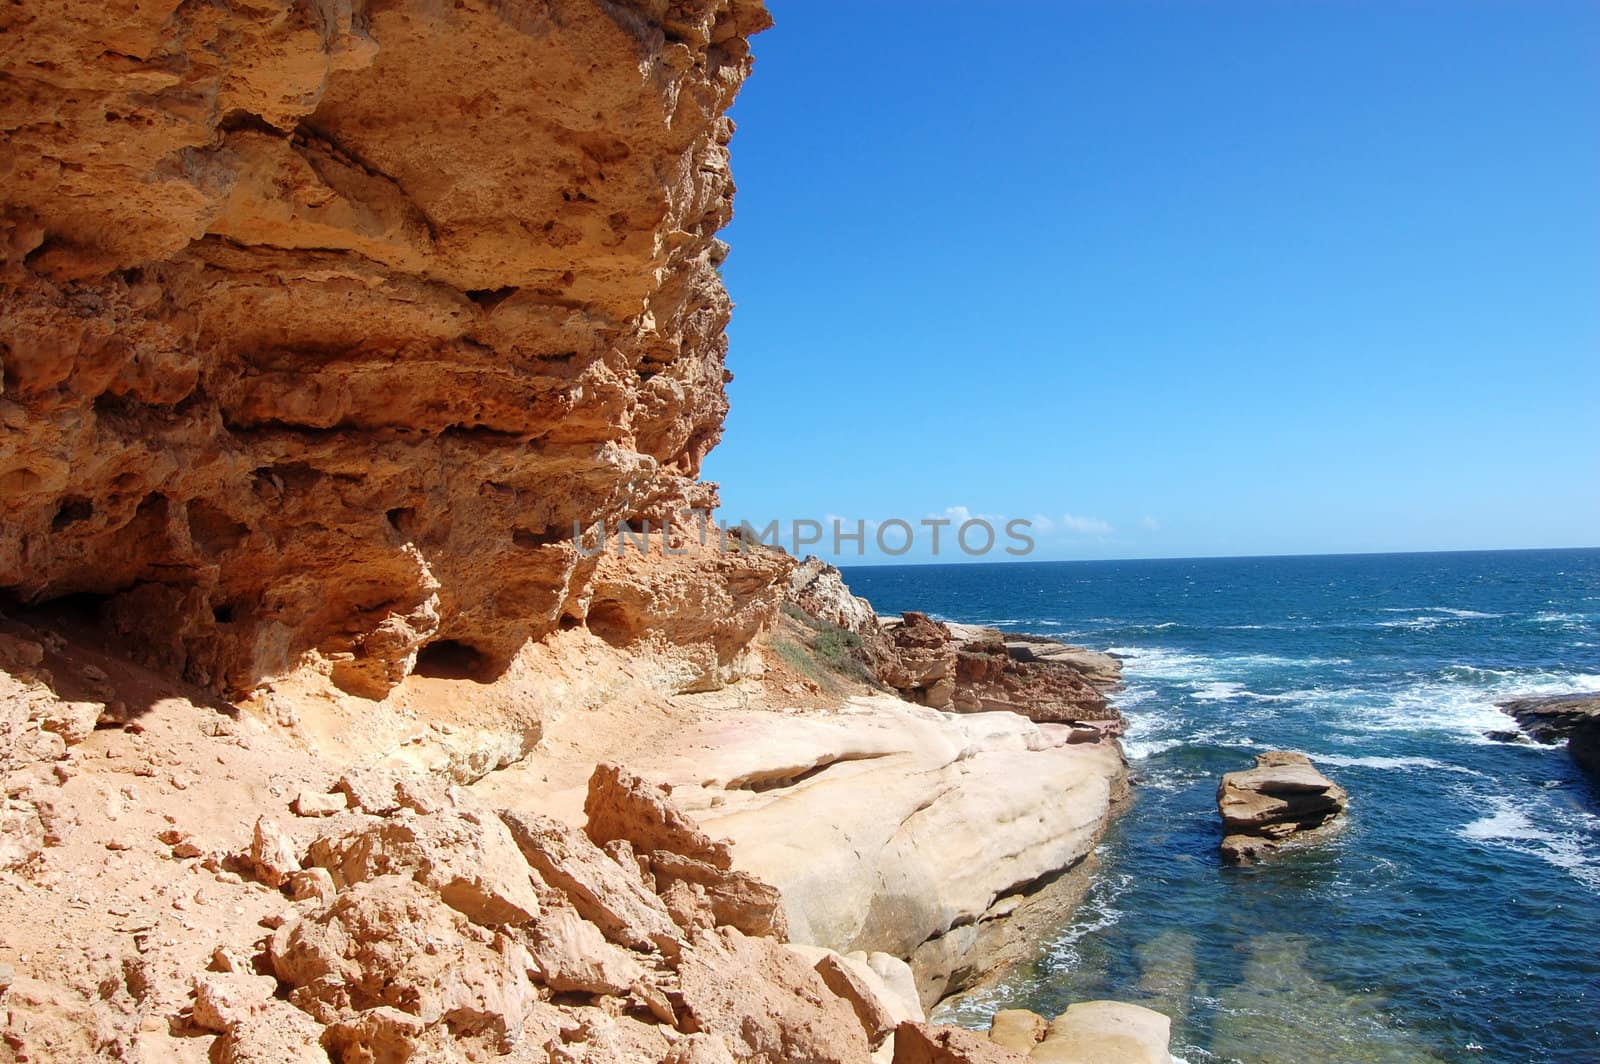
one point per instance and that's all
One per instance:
(1414, 622)
(1139, 749)
(1563, 620)
(1374, 761)
(1454, 702)
(1450, 611)
(1217, 691)
(1571, 845)
(1160, 663)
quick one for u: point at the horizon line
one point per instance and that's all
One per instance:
(1204, 557)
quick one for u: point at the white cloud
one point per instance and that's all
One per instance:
(961, 514)
(1086, 526)
(1150, 523)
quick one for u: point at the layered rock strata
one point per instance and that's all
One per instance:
(1283, 799)
(1574, 718)
(325, 325)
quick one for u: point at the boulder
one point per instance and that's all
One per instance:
(272, 853)
(923, 665)
(605, 892)
(880, 1006)
(320, 803)
(222, 1000)
(899, 980)
(384, 791)
(768, 1005)
(469, 858)
(383, 1035)
(573, 955)
(916, 1043)
(280, 1034)
(1284, 796)
(392, 941)
(73, 721)
(700, 894)
(621, 805)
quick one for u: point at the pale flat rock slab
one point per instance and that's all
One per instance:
(1098, 1032)
(864, 819)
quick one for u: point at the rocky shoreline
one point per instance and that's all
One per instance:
(633, 908)
(339, 337)
(1551, 719)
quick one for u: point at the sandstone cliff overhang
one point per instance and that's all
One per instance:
(325, 324)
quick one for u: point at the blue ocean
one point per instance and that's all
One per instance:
(1456, 918)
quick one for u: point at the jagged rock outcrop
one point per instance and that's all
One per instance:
(819, 589)
(923, 665)
(970, 668)
(991, 675)
(325, 324)
(1283, 798)
(1575, 718)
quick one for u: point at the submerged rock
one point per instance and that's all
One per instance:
(1282, 797)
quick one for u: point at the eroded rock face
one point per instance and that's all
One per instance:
(398, 291)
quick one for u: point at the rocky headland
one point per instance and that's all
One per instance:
(336, 336)
(1573, 718)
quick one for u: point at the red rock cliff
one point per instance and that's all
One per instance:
(323, 322)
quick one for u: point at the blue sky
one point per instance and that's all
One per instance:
(1183, 278)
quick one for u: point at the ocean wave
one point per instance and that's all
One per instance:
(1421, 623)
(1509, 823)
(1454, 702)
(1379, 761)
(1565, 621)
(1449, 611)
(1132, 696)
(1217, 691)
(1139, 749)
(1161, 663)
